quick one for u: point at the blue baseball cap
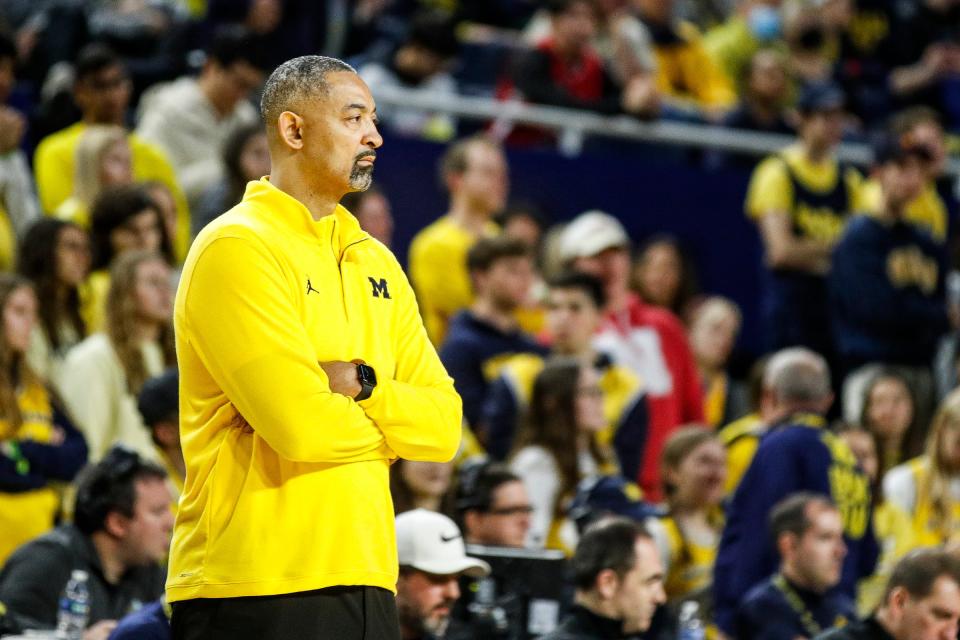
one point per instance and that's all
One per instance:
(603, 495)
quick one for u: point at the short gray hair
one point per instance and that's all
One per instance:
(797, 375)
(295, 80)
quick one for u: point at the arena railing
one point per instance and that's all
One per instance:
(573, 126)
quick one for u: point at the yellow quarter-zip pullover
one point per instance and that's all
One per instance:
(287, 482)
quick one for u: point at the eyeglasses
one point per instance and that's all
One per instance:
(525, 509)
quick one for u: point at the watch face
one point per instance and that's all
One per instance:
(367, 375)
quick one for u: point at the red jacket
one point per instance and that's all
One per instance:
(652, 342)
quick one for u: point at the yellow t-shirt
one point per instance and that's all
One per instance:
(26, 515)
(54, 164)
(690, 561)
(438, 272)
(731, 45)
(685, 71)
(771, 190)
(927, 211)
(470, 447)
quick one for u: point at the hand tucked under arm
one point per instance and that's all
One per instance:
(343, 377)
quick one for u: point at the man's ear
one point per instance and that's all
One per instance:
(290, 129)
(827, 403)
(785, 543)
(167, 433)
(470, 518)
(116, 524)
(607, 583)
(452, 181)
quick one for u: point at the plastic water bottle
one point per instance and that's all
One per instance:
(690, 626)
(74, 611)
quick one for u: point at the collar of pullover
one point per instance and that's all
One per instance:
(340, 228)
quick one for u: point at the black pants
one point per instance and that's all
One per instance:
(337, 613)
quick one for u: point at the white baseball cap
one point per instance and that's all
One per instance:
(431, 542)
(590, 233)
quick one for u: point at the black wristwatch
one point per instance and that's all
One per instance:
(368, 380)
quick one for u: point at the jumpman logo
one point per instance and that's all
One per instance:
(310, 287)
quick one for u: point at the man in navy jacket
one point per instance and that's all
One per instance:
(798, 453)
(799, 600)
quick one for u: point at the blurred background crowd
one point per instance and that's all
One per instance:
(707, 338)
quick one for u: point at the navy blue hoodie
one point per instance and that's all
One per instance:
(473, 353)
(887, 295)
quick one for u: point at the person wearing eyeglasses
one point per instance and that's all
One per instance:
(556, 447)
(119, 537)
(492, 506)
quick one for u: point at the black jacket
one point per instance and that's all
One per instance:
(769, 613)
(869, 629)
(34, 577)
(583, 624)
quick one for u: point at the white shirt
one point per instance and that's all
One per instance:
(541, 477)
(94, 387)
(412, 122)
(178, 117)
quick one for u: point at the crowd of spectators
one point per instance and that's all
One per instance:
(609, 416)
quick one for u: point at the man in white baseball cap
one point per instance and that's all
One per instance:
(590, 234)
(648, 340)
(432, 558)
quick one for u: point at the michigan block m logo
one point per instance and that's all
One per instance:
(379, 288)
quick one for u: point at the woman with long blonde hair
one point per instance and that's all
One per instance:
(924, 493)
(103, 374)
(39, 446)
(103, 159)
